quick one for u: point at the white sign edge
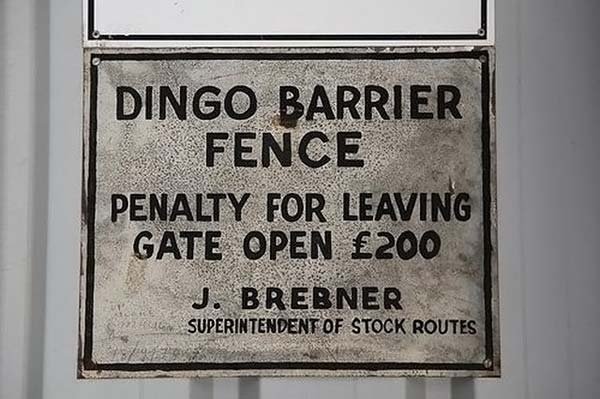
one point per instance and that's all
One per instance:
(486, 38)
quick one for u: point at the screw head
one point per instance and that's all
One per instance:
(95, 34)
(481, 32)
(487, 363)
(95, 61)
(483, 59)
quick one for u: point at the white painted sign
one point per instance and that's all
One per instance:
(308, 22)
(289, 212)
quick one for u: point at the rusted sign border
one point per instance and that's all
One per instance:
(490, 366)
(92, 34)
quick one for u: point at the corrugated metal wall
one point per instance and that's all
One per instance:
(548, 183)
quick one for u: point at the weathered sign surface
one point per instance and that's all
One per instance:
(176, 23)
(289, 212)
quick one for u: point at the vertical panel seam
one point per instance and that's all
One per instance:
(522, 256)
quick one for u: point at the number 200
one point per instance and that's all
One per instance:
(408, 245)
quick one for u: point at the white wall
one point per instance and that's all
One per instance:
(548, 138)
(23, 194)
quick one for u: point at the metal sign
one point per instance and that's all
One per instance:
(289, 212)
(267, 22)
